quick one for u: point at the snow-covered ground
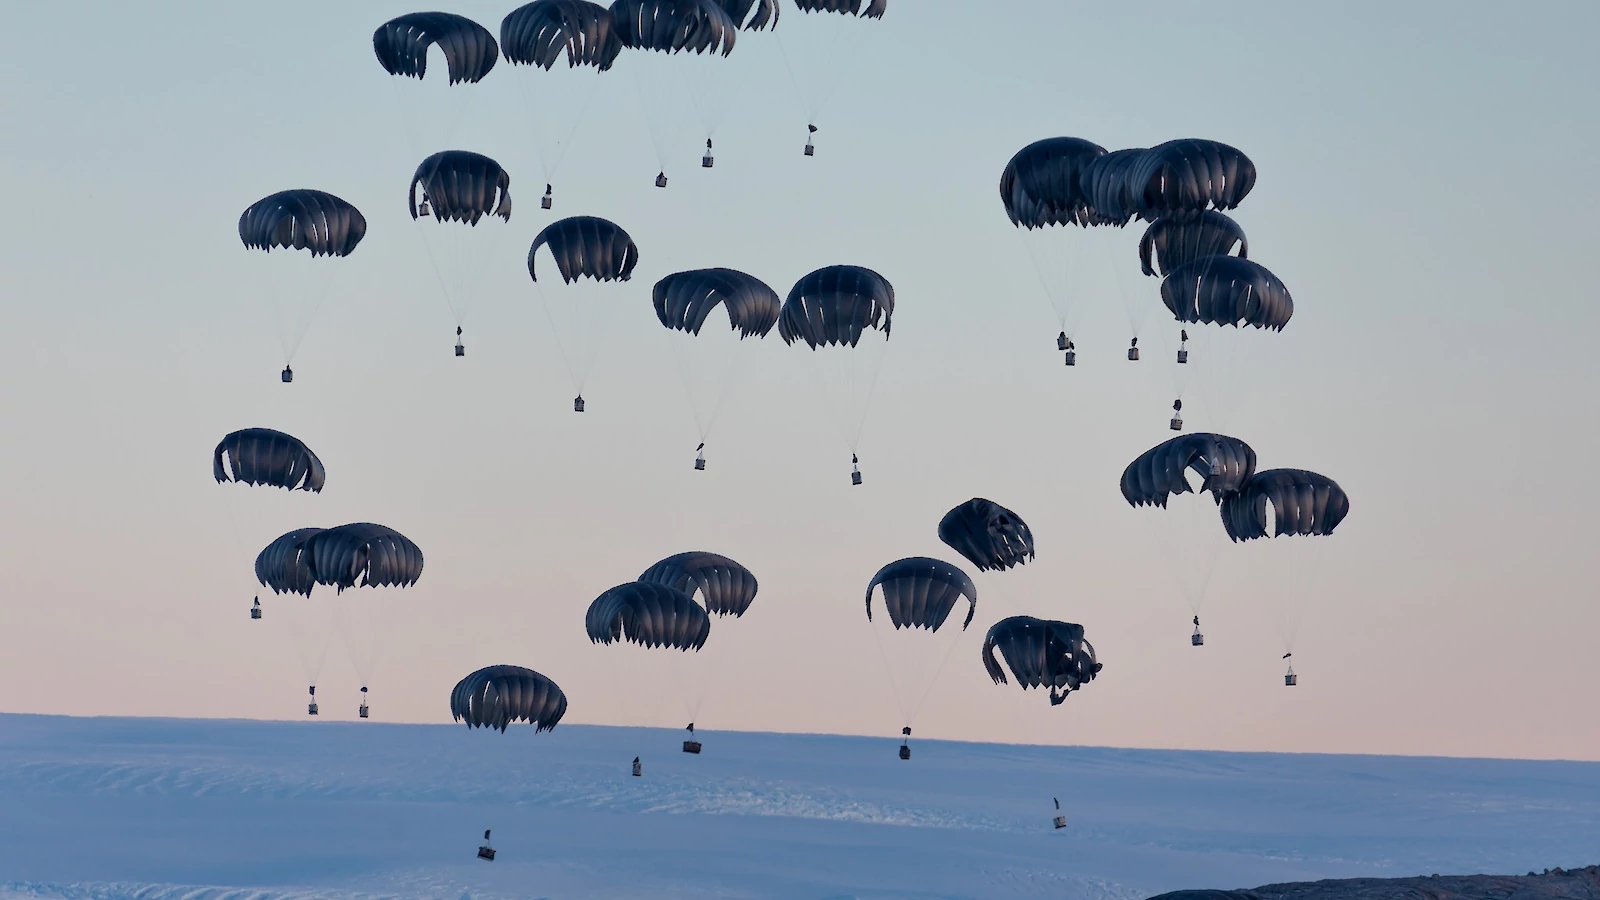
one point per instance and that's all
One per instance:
(161, 808)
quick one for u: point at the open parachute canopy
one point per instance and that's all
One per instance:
(1223, 463)
(303, 219)
(1184, 237)
(871, 9)
(357, 555)
(674, 26)
(726, 588)
(1189, 175)
(987, 534)
(752, 15)
(1105, 188)
(648, 614)
(1227, 290)
(834, 305)
(402, 45)
(1041, 653)
(496, 696)
(683, 300)
(258, 456)
(1042, 185)
(587, 245)
(920, 592)
(462, 186)
(1300, 502)
(538, 33)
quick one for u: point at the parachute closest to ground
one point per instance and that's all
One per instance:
(726, 588)
(1223, 463)
(1227, 290)
(987, 534)
(647, 614)
(538, 33)
(1041, 653)
(258, 456)
(495, 696)
(920, 592)
(1300, 502)
(402, 45)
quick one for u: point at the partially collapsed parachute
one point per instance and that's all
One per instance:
(1104, 183)
(1300, 502)
(834, 305)
(920, 592)
(673, 26)
(1184, 237)
(538, 33)
(1223, 463)
(683, 301)
(987, 534)
(303, 220)
(462, 186)
(285, 564)
(1189, 175)
(1042, 185)
(726, 588)
(765, 12)
(402, 45)
(1041, 653)
(263, 456)
(874, 9)
(496, 696)
(1227, 290)
(651, 615)
(587, 245)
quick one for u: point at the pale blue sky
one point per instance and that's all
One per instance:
(1425, 192)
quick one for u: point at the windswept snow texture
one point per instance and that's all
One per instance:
(102, 809)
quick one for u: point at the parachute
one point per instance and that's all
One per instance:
(1041, 653)
(538, 33)
(874, 8)
(683, 301)
(1189, 175)
(496, 696)
(1184, 237)
(647, 614)
(360, 554)
(752, 15)
(1301, 503)
(285, 565)
(674, 26)
(834, 305)
(303, 219)
(1104, 183)
(820, 52)
(1223, 463)
(920, 592)
(987, 534)
(726, 588)
(1227, 290)
(402, 45)
(1042, 184)
(461, 186)
(586, 245)
(257, 456)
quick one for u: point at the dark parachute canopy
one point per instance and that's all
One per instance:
(1041, 653)
(1189, 175)
(684, 299)
(834, 305)
(1042, 185)
(1301, 502)
(1227, 290)
(651, 615)
(987, 534)
(1223, 463)
(402, 45)
(303, 219)
(347, 556)
(874, 10)
(586, 245)
(766, 13)
(536, 34)
(726, 588)
(285, 564)
(1184, 237)
(496, 696)
(671, 26)
(1105, 188)
(462, 186)
(919, 592)
(263, 456)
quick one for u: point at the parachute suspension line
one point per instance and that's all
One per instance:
(548, 166)
(658, 138)
(815, 95)
(455, 111)
(1055, 269)
(939, 670)
(1133, 304)
(888, 668)
(438, 273)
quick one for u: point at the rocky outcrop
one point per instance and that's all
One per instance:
(1552, 884)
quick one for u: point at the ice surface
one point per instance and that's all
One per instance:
(162, 809)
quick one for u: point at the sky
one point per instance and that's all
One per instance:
(1422, 191)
